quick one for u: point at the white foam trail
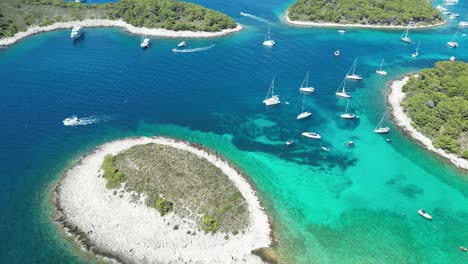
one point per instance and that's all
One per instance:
(255, 17)
(84, 121)
(193, 50)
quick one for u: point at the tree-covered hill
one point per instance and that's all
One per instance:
(437, 103)
(18, 15)
(367, 12)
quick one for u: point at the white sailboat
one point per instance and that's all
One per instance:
(268, 41)
(145, 42)
(353, 75)
(271, 98)
(181, 44)
(416, 52)
(343, 92)
(347, 115)
(303, 114)
(380, 71)
(379, 129)
(404, 36)
(452, 43)
(311, 135)
(305, 85)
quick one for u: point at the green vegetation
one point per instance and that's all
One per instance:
(368, 12)
(163, 206)
(18, 15)
(437, 102)
(178, 181)
(113, 175)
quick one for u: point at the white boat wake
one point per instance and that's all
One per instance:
(255, 17)
(193, 50)
(83, 121)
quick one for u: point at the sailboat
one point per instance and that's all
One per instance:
(380, 71)
(268, 41)
(353, 76)
(347, 115)
(181, 44)
(416, 52)
(271, 98)
(303, 114)
(404, 36)
(343, 92)
(145, 42)
(452, 43)
(305, 85)
(379, 129)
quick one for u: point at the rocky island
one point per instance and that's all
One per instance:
(160, 200)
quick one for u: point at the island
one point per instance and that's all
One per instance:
(363, 13)
(166, 18)
(161, 200)
(432, 106)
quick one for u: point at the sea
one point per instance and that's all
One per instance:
(346, 205)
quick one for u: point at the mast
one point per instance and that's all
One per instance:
(344, 84)
(267, 37)
(417, 47)
(346, 110)
(381, 64)
(379, 125)
(271, 88)
(354, 65)
(303, 99)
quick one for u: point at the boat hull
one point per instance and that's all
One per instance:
(354, 77)
(307, 89)
(383, 73)
(382, 130)
(304, 115)
(344, 95)
(311, 135)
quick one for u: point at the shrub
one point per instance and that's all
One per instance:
(163, 206)
(209, 224)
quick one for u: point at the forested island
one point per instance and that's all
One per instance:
(17, 15)
(365, 12)
(437, 103)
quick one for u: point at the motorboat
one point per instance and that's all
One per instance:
(350, 144)
(424, 214)
(145, 42)
(337, 53)
(76, 32)
(181, 44)
(311, 135)
(326, 149)
(289, 142)
(71, 121)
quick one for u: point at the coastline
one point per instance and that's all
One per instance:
(112, 225)
(338, 25)
(394, 98)
(159, 32)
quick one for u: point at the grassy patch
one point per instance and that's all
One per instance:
(113, 175)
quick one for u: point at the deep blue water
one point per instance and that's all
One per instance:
(329, 208)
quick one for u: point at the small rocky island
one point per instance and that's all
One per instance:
(160, 200)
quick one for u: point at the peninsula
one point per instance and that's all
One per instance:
(363, 13)
(160, 200)
(432, 107)
(166, 18)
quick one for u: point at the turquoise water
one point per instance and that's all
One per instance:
(345, 206)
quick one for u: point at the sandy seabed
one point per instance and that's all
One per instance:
(117, 226)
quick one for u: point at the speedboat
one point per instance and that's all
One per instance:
(289, 142)
(350, 144)
(311, 135)
(71, 121)
(389, 140)
(337, 53)
(452, 44)
(304, 115)
(181, 44)
(76, 32)
(424, 214)
(326, 149)
(341, 31)
(462, 248)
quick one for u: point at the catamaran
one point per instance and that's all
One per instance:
(424, 214)
(311, 135)
(404, 36)
(353, 76)
(416, 52)
(303, 114)
(76, 32)
(452, 43)
(271, 98)
(145, 42)
(268, 41)
(379, 129)
(305, 85)
(347, 115)
(343, 92)
(380, 71)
